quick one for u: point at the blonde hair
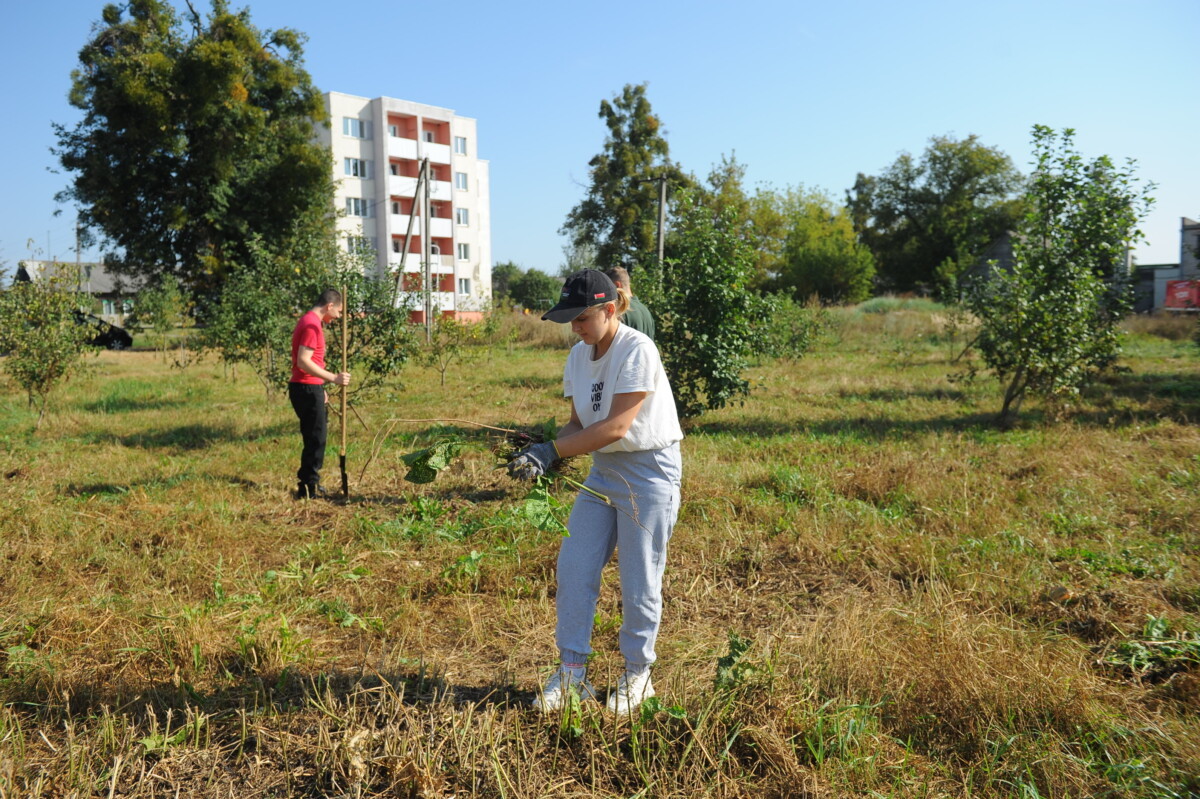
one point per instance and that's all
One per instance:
(622, 301)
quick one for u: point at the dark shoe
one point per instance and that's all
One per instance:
(309, 491)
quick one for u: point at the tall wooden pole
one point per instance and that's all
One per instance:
(345, 368)
(662, 219)
(427, 253)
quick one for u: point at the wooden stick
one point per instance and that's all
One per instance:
(345, 368)
(456, 421)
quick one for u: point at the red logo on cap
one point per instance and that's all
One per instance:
(598, 296)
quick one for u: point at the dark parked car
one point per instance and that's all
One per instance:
(108, 335)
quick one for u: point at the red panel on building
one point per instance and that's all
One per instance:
(1183, 294)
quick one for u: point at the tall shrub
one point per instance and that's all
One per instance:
(41, 341)
(709, 321)
(1051, 323)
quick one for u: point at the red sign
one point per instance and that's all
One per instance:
(1183, 294)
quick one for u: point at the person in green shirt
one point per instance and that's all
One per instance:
(638, 316)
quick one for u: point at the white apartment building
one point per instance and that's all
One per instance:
(378, 145)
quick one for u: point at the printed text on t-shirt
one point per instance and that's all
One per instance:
(597, 395)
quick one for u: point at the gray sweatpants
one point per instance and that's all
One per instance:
(644, 488)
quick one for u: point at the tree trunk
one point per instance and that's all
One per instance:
(1014, 393)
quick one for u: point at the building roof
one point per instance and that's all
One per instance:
(93, 278)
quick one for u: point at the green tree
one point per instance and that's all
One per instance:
(196, 140)
(452, 340)
(1051, 323)
(760, 218)
(804, 243)
(381, 339)
(576, 256)
(724, 193)
(535, 289)
(927, 220)
(709, 320)
(812, 247)
(503, 276)
(619, 215)
(41, 341)
(160, 307)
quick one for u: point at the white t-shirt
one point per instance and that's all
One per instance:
(630, 365)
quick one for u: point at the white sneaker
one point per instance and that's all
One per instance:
(552, 698)
(632, 689)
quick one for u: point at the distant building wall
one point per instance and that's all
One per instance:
(377, 147)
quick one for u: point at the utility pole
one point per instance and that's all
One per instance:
(662, 219)
(661, 180)
(427, 253)
(78, 268)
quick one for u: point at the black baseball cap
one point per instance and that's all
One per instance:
(581, 291)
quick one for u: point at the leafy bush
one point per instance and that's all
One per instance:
(160, 307)
(708, 319)
(453, 340)
(42, 342)
(1051, 323)
(793, 329)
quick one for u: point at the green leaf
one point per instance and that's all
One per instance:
(540, 509)
(162, 741)
(424, 464)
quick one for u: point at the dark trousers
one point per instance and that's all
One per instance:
(309, 403)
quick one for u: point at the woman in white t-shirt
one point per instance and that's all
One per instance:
(623, 413)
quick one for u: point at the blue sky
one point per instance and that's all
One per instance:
(804, 93)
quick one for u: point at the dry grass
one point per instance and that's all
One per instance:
(931, 607)
(530, 330)
(1163, 324)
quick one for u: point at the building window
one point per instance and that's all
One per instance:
(358, 168)
(462, 216)
(464, 252)
(430, 137)
(460, 180)
(360, 244)
(460, 145)
(356, 206)
(353, 126)
(395, 245)
(394, 131)
(464, 285)
(395, 207)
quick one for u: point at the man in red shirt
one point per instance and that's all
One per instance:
(307, 388)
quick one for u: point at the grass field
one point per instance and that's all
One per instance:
(872, 591)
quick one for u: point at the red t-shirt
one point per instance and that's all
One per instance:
(308, 333)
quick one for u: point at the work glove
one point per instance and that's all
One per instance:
(533, 461)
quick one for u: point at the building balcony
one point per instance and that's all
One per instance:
(442, 300)
(398, 224)
(398, 147)
(436, 153)
(442, 264)
(407, 187)
(439, 228)
(401, 186)
(410, 264)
